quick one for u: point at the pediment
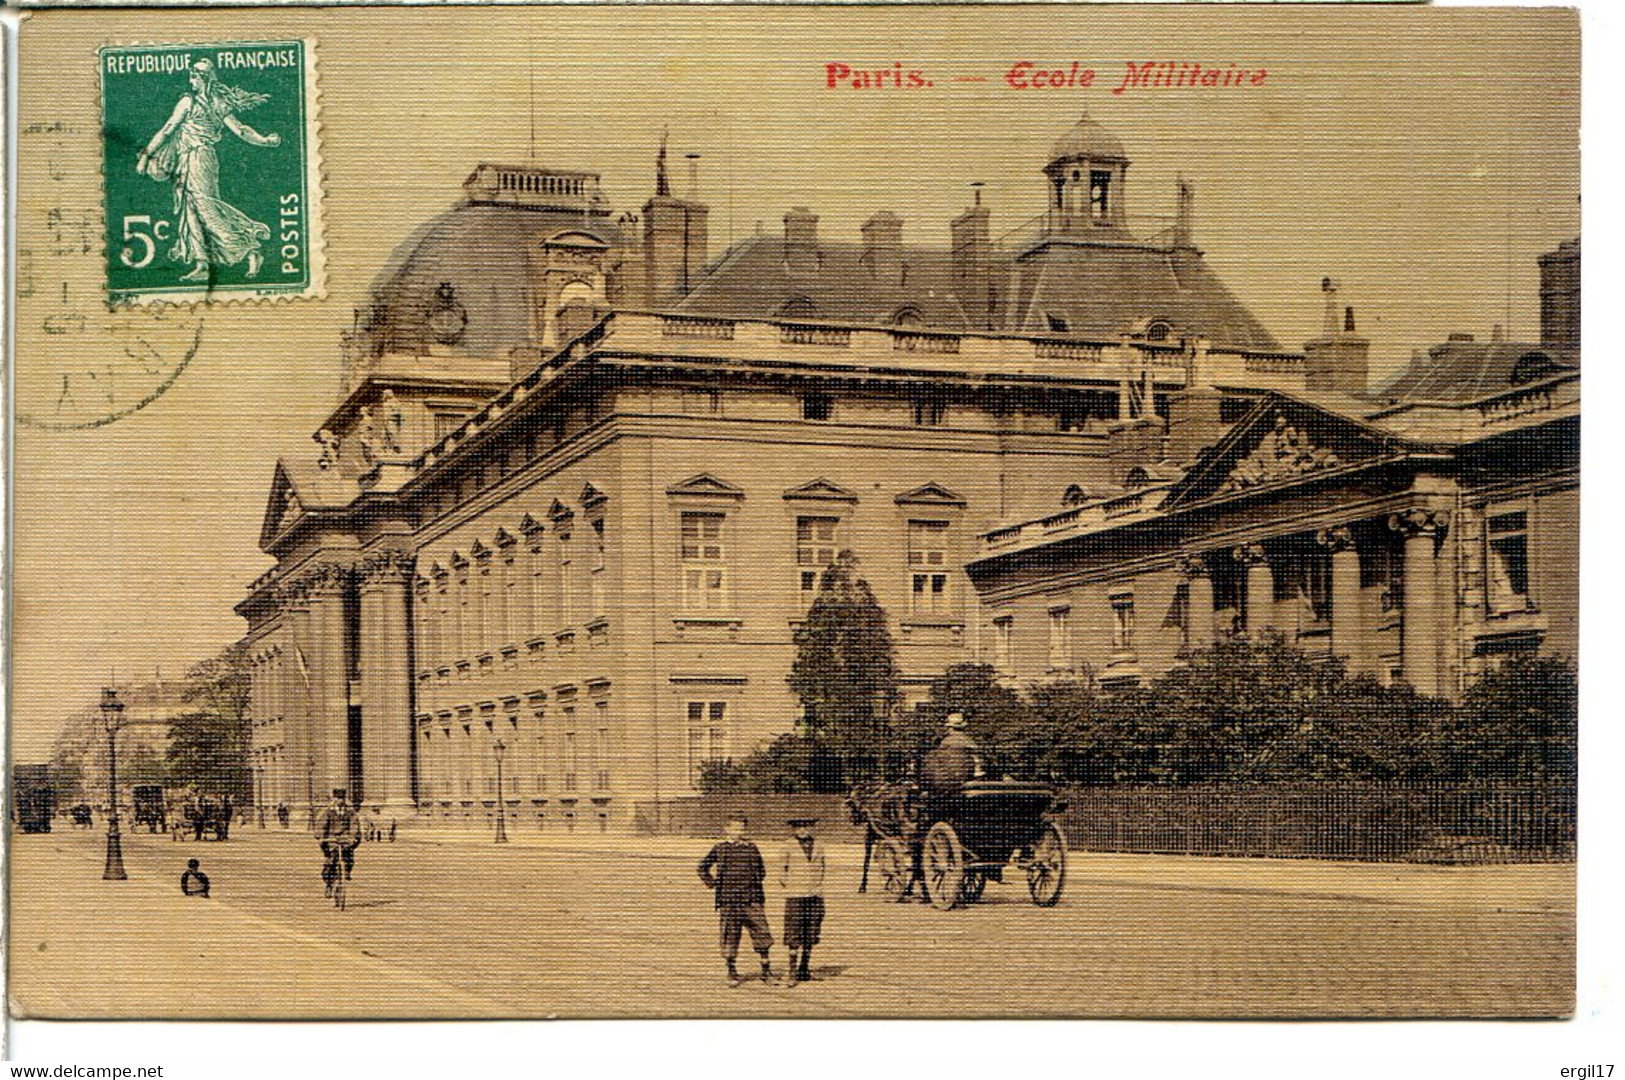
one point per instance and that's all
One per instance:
(821, 489)
(529, 525)
(1281, 442)
(932, 494)
(480, 550)
(559, 511)
(504, 538)
(591, 495)
(282, 507)
(706, 485)
(459, 561)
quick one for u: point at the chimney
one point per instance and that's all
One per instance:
(801, 238)
(1560, 295)
(972, 252)
(674, 239)
(883, 247)
(1184, 214)
(1339, 361)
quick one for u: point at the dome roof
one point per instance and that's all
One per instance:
(1087, 139)
(466, 278)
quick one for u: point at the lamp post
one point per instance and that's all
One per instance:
(259, 796)
(502, 812)
(112, 708)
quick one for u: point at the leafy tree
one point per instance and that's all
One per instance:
(1519, 722)
(845, 668)
(209, 744)
(1261, 709)
(1096, 738)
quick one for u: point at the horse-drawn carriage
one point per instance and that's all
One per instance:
(147, 808)
(954, 842)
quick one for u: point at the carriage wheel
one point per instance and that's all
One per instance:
(944, 863)
(892, 864)
(971, 890)
(1046, 871)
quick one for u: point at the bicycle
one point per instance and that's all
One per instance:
(333, 873)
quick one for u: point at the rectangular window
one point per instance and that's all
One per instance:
(1003, 631)
(704, 562)
(815, 550)
(1123, 623)
(460, 637)
(570, 750)
(596, 578)
(539, 751)
(1507, 560)
(1100, 182)
(817, 406)
(447, 422)
(600, 752)
(702, 403)
(566, 578)
(1060, 637)
(928, 567)
(707, 736)
(929, 413)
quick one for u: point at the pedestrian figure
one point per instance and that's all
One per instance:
(282, 814)
(194, 882)
(338, 829)
(733, 869)
(801, 874)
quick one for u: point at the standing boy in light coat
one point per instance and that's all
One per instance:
(801, 874)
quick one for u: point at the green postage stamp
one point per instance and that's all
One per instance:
(211, 171)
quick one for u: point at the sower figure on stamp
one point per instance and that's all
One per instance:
(801, 873)
(209, 231)
(734, 870)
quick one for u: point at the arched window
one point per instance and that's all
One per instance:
(1532, 366)
(907, 315)
(1158, 330)
(798, 307)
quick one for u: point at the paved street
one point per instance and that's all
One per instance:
(610, 926)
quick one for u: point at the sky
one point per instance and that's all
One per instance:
(1421, 157)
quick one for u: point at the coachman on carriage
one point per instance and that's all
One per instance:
(956, 831)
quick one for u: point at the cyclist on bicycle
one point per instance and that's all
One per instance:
(340, 834)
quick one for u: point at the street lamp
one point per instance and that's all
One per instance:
(259, 796)
(112, 708)
(502, 813)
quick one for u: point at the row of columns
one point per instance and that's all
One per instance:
(1422, 635)
(313, 682)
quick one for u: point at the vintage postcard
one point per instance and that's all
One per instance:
(606, 512)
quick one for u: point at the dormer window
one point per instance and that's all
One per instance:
(1100, 182)
(1158, 330)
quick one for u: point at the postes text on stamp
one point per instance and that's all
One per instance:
(211, 171)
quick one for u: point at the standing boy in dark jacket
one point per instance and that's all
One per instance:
(734, 870)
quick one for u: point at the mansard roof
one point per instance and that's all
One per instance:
(758, 278)
(1467, 370)
(483, 253)
(1099, 289)
(1084, 288)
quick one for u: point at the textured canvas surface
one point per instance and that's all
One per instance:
(565, 431)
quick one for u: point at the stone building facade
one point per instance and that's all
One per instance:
(1421, 532)
(573, 502)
